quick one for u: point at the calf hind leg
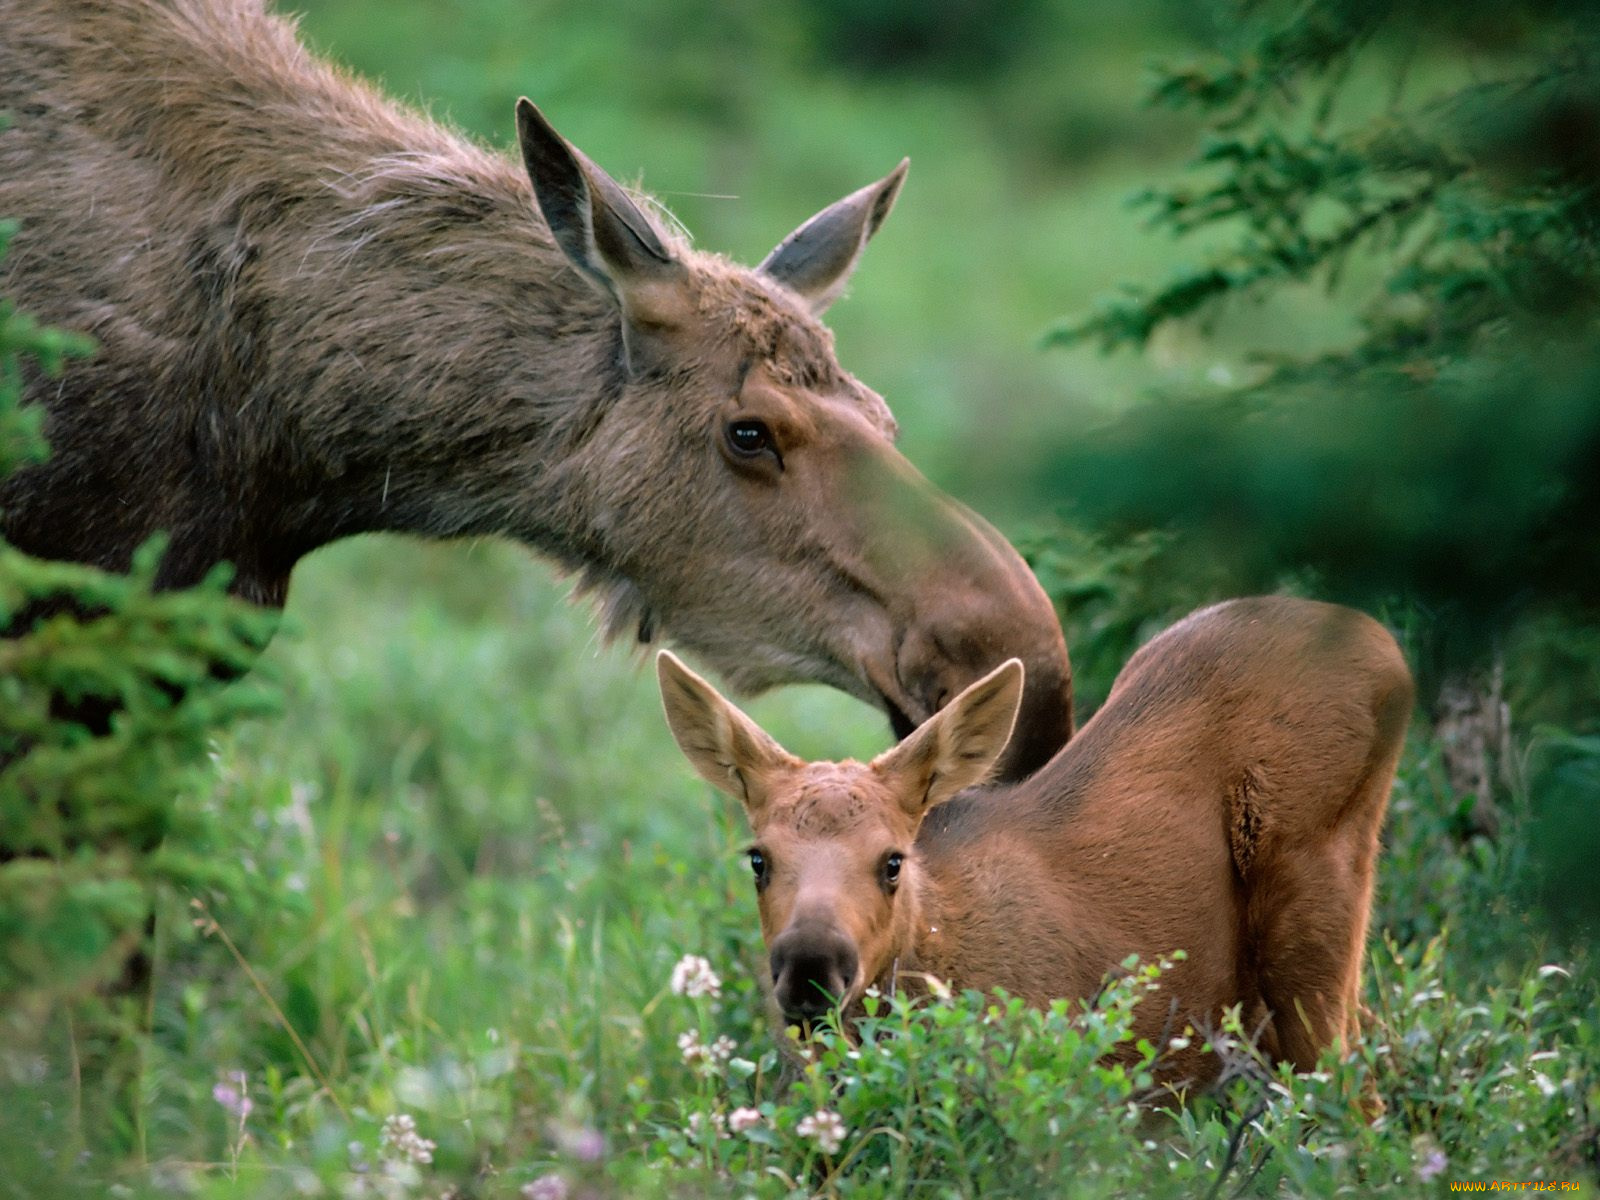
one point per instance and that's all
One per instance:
(1309, 901)
(1309, 917)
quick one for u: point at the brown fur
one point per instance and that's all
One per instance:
(1226, 801)
(321, 315)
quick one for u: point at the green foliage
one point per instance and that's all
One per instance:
(958, 37)
(1114, 595)
(976, 1093)
(1450, 450)
(110, 695)
(21, 441)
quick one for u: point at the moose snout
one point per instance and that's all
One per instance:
(812, 969)
(982, 605)
(938, 660)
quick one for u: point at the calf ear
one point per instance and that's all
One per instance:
(816, 260)
(957, 746)
(603, 233)
(729, 750)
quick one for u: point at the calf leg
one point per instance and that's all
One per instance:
(1308, 909)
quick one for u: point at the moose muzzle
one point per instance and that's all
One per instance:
(813, 968)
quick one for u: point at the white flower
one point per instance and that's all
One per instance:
(826, 1128)
(693, 977)
(704, 1127)
(741, 1119)
(399, 1136)
(706, 1057)
(691, 1047)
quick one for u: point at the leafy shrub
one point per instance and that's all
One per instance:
(110, 694)
(971, 1093)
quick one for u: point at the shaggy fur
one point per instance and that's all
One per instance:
(320, 315)
(1226, 801)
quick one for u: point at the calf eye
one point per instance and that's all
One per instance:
(759, 868)
(891, 870)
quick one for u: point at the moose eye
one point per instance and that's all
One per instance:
(749, 438)
(759, 868)
(891, 869)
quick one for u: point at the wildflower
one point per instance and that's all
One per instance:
(399, 1137)
(694, 1051)
(698, 1054)
(546, 1187)
(693, 977)
(233, 1093)
(707, 1126)
(826, 1128)
(741, 1119)
(584, 1144)
(1432, 1164)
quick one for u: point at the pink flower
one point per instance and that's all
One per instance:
(826, 1128)
(546, 1187)
(741, 1119)
(693, 977)
(1432, 1164)
(233, 1093)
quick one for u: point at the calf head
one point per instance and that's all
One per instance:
(743, 493)
(834, 850)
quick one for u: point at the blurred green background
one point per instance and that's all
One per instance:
(1025, 129)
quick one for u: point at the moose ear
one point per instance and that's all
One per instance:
(600, 229)
(959, 745)
(729, 750)
(816, 260)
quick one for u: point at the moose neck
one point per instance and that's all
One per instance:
(335, 318)
(993, 884)
(921, 945)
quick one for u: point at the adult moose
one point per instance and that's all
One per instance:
(1225, 801)
(319, 315)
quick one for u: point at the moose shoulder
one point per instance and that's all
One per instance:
(319, 315)
(1226, 801)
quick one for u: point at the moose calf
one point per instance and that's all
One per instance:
(1225, 801)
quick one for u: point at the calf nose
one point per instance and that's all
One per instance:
(812, 969)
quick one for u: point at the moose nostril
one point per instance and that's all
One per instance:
(811, 973)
